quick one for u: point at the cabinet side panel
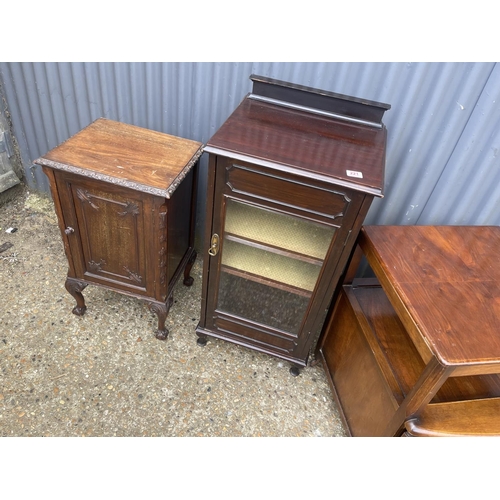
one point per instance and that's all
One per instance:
(360, 387)
(179, 224)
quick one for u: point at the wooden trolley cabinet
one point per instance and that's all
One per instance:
(292, 173)
(418, 347)
(125, 200)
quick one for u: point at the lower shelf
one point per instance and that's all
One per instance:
(373, 364)
(278, 269)
(479, 417)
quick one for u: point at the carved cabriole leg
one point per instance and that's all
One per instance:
(161, 310)
(188, 280)
(75, 288)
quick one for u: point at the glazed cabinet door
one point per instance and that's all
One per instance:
(107, 230)
(275, 244)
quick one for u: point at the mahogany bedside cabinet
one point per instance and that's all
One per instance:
(292, 173)
(125, 200)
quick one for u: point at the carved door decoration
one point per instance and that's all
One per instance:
(110, 234)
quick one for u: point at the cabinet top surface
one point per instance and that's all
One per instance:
(305, 142)
(116, 152)
(448, 279)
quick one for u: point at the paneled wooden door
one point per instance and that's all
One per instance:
(108, 233)
(270, 259)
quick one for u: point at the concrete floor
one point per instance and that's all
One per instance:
(105, 374)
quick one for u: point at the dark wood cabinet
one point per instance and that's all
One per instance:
(292, 174)
(125, 200)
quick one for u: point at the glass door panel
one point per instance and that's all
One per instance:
(279, 230)
(269, 265)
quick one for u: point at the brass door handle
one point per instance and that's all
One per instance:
(214, 245)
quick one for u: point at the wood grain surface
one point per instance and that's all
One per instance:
(479, 417)
(125, 152)
(303, 141)
(448, 280)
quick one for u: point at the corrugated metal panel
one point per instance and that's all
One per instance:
(443, 125)
(434, 103)
(468, 191)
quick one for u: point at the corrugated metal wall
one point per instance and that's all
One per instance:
(443, 162)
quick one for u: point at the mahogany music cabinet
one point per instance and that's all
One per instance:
(292, 173)
(125, 200)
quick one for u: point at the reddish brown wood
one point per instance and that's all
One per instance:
(448, 278)
(75, 288)
(308, 143)
(432, 378)
(269, 185)
(480, 417)
(124, 154)
(125, 200)
(414, 334)
(361, 391)
(292, 162)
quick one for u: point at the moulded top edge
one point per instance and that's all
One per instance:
(330, 179)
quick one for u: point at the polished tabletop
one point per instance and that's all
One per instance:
(120, 153)
(333, 149)
(444, 281)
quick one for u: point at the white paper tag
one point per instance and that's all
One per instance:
(354, 173)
